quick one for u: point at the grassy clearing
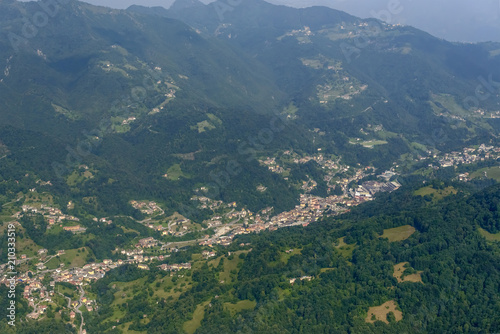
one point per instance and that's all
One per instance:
(72, 293)
(367, 143)
(174, 173)
(283, 293)
(491, 173)
(192, 325)
(284, 256)
(372, 143)
(436, 194)
(345, 249)
(204, 126)
(386, 134)
(229, 266)
(380, 312)
(214, 119)
(291, 109)
(215, 262)
(399, 270)
(25, 245)
(207, 125)
(398, 233)
(172, 287)
(78, 177)
(37, 199)
(68, 113)
(313, 63)
(418, 146)
(5, 218)
(71, 256)
(169, 287)
(125, 290)
(240, 306)
(445, 102)
(489, 236)
(125, 328)
(60, 300)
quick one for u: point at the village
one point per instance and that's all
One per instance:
(41, 285)
(468, 155)
(229, 220)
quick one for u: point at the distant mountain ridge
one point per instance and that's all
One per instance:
(267, 32)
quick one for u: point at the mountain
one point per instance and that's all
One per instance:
(457, 21)
(124, 54)
(144, 88)
(185, 4)
(132, 89)
(241, 167)
(309, 51)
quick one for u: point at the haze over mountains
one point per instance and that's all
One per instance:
(461, 20)
(244, 168)
(321, 69)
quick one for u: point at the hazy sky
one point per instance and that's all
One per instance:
(457, 20)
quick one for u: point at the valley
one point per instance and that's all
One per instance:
(244, 169)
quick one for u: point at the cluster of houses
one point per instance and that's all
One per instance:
(53, 215)
(272, 165)
(310, 209)
(224, 240)
(299, 32)
(208, 203)
(208, 254)
(147, 207)
(149, 242)
(309, 185)
(175, 267)
(469, 155)
(39, 296)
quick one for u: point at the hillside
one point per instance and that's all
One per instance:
(335, 275)
(142, 90)
(124, 89)
(245, 168)
(346, 74)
